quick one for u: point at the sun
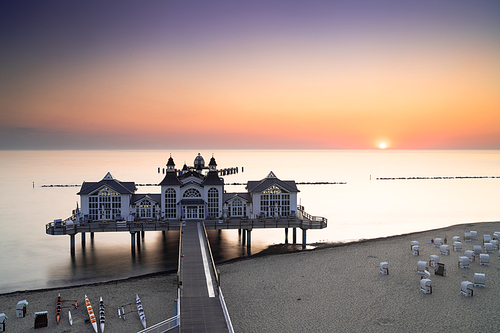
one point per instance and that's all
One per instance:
(382, 145)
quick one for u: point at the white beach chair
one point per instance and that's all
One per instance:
(427, 275)
(456, 239)
(425, 286)
(477, 250)
(433, 260)
(384, 268)
(416, 250)
(467, 237)
(484, 259)
(438, 242)
(457, 246)
(470, 254)
(479, 280)
(444, 250)
(421, 267)
(21, 308)
(463, 262)
(466, 289)
(473, 234)
(414, 243)
(486, 238)
(496, 235)
(488, 248)
(495, 244)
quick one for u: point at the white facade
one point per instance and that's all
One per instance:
(190, 193)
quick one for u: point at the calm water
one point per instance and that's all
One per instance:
(362, 208)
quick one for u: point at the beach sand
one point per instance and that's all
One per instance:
(340, 289)
(157, 295)
(333, 289)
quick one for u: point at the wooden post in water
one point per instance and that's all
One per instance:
(249, 240)
(72, 243)
(304, 238)
(286, 235)
(83, 241)
(132, 240)
(91, 238)
(294, 235)
(244, 236)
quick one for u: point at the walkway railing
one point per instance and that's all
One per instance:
(219, 290)
(63, 228)
(214, 269)
(163, 326)
(315, 222)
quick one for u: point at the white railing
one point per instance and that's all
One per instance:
(162, 326)
(226, 313)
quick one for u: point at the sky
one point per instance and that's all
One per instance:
(249, 74)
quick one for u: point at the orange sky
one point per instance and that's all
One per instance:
(302, 80)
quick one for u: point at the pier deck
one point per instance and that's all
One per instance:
(201, 309)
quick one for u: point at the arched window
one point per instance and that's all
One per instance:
(213, 202)
(192, 193)
(236, 208)
(105, 204)
(170, 204)
(145, 209)
(274, 202)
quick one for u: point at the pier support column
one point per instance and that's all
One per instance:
(286, 235)
(91, 238)
(138, 236)
(294, 235)
(83, 240)
(72, 243)
(132, 240)
(143, 234)
(249, 240)
(304, 238)
(243, 236)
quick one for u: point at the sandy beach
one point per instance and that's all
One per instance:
(340, 289)
(333, 289)
(157, 295)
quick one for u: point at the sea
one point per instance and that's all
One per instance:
(371, 194)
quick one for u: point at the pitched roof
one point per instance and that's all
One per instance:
(243, 195)
(109, 181)
(151, 196)
(170, 180)
(212, 179)
(270, 180)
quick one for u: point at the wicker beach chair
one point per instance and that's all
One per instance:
(440, 269)
(416, 250)
(384, 268)
(484, 259)
(438, 242)
(421, 267)
(457, 246)
(433, 260)
(488, 248)
(444, 250)
(463, 262)
(470, 254)
(425, 286)
(466, 289)
(479, 280)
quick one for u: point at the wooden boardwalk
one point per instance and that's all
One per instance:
(201, 310)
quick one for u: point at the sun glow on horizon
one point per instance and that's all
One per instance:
(382, 145)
